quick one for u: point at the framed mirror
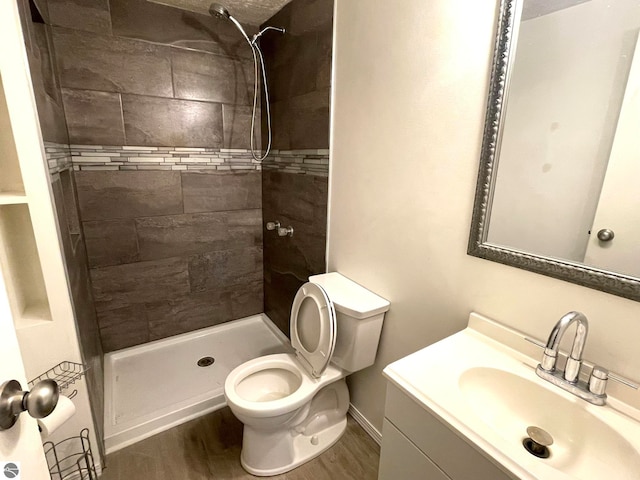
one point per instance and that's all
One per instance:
(558, 188)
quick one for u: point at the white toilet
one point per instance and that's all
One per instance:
(294, 406)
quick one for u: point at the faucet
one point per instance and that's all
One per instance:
(569, 379)
(574, 361)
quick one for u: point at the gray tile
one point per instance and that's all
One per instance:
(123, 327)
(210, 77)
(45, 85)
(300, 201)
(113, 64)
(225, 268)
(138, 283)
(114, 194)
(309, 120)
(237, 126)
(93, 118)
(247, 300)
(166, 122)
(89, 15)
(211, 192)
(281, 126)
(303, 198)
(163, 24)
(310, 16)
(110, 242)
(188, 313)
(161, 237)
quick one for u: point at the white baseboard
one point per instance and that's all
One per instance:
(365, 424)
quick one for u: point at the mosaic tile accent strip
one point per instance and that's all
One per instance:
(62, 157)
(310, 162)
(58, 157)
(98, 157)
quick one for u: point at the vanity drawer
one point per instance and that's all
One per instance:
(400, 458)
(449, 452)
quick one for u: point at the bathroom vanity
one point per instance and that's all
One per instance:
(417, 444)
(463, 409)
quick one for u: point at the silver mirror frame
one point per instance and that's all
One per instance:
(584, 275)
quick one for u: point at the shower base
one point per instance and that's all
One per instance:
(156, 386)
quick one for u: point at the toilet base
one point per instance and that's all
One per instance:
(303, 448)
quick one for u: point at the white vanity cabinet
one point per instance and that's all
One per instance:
(416, 445)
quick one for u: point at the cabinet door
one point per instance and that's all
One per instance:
(401, 459)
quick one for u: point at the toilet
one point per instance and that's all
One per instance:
(294, 405)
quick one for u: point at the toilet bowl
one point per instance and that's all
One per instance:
(294, 405)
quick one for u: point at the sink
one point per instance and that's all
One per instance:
(481, 383)
(584, 446)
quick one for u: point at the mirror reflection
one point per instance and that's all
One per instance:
(568, 157)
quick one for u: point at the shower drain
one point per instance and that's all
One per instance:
(206, 361)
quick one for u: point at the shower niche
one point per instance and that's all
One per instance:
(18, 252)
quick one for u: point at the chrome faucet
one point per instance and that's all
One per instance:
(569, 379)
(574, 361)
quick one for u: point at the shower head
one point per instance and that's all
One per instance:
(217, 10)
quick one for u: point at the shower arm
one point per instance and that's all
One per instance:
(264, 30)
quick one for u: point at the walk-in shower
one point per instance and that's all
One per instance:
(218, 10)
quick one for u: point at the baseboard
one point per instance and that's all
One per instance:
(365, 424)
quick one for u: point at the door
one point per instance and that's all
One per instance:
(618, 208)
(21, 453)
(21, 444)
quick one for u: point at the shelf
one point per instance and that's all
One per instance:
(65, 374)
(12, 198)
(21, 267)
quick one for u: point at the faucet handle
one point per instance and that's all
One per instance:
(599, 377)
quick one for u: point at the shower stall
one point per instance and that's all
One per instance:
(172, 137)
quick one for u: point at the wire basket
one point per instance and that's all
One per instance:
(71, 458)
(65, 374)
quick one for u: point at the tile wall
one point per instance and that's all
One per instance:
(157, 102)
(171, 251)
(138, 73)
(294, 177)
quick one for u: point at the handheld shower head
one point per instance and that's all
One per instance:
(217, 10)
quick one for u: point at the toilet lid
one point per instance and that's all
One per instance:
(313, 328)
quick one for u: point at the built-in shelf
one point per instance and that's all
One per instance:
(22, 268)
(12, 198)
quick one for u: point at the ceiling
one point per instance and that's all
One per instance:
(249, 12)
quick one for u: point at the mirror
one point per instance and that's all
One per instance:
(557, 189)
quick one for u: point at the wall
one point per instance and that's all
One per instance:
(294, 177)
(560, 122)
(48, 96)
(157, 103)
(415, 97)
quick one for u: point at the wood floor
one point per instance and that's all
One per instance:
(209, 448)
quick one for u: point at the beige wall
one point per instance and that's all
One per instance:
(408, 110)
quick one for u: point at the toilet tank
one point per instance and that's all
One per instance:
(359, 315)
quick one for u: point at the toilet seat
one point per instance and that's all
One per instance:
(285, 361)
(313, 328)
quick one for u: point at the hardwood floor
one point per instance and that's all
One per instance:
(208, 448)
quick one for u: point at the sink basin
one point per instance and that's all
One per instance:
(584, 446)
(482, 384)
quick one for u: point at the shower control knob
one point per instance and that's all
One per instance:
(273, 225)
(285, 231)
(605, 235)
